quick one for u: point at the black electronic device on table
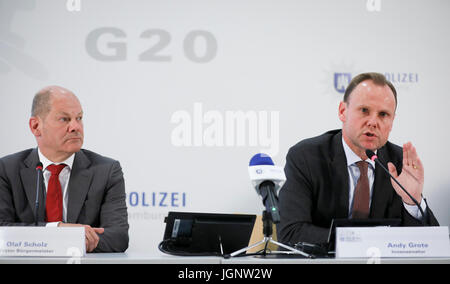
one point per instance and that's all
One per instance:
(206, 234)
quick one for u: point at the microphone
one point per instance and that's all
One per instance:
(39, 168)
(371, 155)
(267, 179)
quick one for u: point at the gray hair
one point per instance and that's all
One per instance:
(42, 100)
(41, 103)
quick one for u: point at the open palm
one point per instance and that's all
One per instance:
(412, 176)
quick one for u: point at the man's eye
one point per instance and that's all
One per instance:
(364, 110)
(63, 119)
(383, 114)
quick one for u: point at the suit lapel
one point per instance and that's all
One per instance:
(339, 177)
(80, 179)
(28, 177)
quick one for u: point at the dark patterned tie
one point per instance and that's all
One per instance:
(54, 200)
(362, 193)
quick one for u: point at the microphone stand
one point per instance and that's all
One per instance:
(268, 231)
(38, 189)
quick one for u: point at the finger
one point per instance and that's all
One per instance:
(99, 230)
(415, 161)
(414, 157)
(94, 238)
(412, 154)
(405, 155)
(88, 246)
(392, 170)
(91, 237)
(88, 237)
(419, 163)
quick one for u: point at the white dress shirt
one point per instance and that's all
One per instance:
(353, 173)
(64, 177)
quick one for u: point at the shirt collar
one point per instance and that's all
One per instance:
(352, 158)
(46, 162)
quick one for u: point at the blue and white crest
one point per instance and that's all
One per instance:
(341, 81)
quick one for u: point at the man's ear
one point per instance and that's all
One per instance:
(342, 112)
(35, 126)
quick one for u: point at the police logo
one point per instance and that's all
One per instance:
(341, 81)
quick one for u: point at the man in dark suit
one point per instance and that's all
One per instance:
(325, 174)
(86, 189)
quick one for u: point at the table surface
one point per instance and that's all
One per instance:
(138, 258)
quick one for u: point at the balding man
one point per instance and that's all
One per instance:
(80, 187)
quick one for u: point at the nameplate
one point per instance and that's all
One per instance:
(42, 241)
(369, 242)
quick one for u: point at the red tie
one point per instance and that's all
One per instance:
(362, 193)
(54, 200)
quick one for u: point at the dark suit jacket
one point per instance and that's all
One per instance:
(317, 189)
(96, 195)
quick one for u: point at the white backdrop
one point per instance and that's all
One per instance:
(184, 92)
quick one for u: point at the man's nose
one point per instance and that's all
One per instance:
(372, 121)
(75, 126)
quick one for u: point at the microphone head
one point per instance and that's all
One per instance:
(371, 155)
(39, 166)
(262, 168)
(261, 159)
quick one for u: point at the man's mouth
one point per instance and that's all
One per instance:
(73, 138)
(369, 134)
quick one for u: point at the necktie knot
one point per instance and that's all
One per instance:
(56, 169)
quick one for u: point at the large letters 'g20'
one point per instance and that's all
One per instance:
(109, 44)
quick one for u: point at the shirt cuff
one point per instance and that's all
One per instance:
(414, 211)
(52, 224)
